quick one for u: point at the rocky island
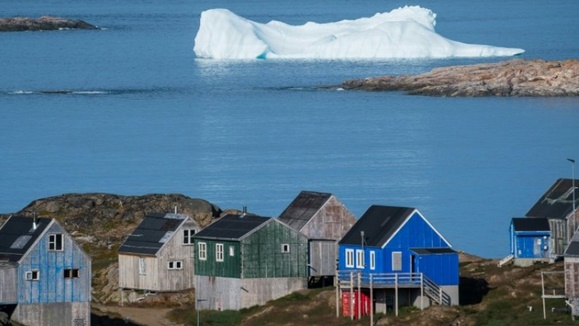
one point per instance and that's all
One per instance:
(517, 77)
(44, 23)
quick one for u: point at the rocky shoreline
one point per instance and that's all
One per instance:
(517, 77)
(44, 23)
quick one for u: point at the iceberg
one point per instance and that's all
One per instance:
(406, 32)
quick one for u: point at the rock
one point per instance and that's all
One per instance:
(517, 77)
(44, 23)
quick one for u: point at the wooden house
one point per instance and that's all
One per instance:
(45, 277)
(247, 260)
(530, 240)
(557, 206)
(571, 263)
(158, 255)
(399, 258)
(324, 220)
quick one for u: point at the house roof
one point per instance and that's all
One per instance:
(531, 224)
(152, 233)
(433, 251)
(18, 234)
(557, 202)
(232, 227)
(573, 247)
(379, 223)
(303, 208)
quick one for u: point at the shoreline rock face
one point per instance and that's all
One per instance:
(517, 77)
(44, 23)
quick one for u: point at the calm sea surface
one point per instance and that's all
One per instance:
(141, 115)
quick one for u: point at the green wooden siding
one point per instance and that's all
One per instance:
(229, 267)
(263, 256)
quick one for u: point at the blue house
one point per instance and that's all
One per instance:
(397, 247)
(45, 277)
(530, 240)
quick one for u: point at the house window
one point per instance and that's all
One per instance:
(372, 260)
(175, 264)
(285, 248)
(219, 252)
(55, 242)
(397, 261)
(32, 275)
(231, 251)
(71, 273)
(188, 236)
(202, 251)
(142, 267)
(349, 257)
(359, 258)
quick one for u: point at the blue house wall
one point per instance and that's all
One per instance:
(529, 243)
(416, 232)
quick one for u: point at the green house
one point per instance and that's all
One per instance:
(247, 260)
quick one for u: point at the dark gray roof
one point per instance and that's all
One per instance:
(557, 202)
(378, 223)
(152, 233)
(573, 247)
(433, 251)
(303, 208)
(232, 227)
(18, 234)
(531, 224)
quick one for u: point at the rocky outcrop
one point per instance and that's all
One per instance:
(44, 23)
(516, 77)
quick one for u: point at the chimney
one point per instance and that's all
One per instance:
(244, 211)
(34, 225)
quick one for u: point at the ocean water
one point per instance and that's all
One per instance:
(129, 110)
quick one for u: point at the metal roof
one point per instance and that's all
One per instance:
(232, 227)
(557, 202)
(433, 251)
(378, 223)
(303, 208)
(531, 224)
(573, 247)
(152, 233)
(18, 234)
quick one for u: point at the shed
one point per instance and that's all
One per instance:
(324, 220)
(556, 204)
(45, 277)
(399, 246)
(571, 263)
(530, 240)
(158, 255)
(247, 260)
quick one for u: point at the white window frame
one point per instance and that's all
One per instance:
(175, 264)
(188, 236)
(142, 266)
(372, 260)
(359, 258)
(219, 252)
(285, 248)
(54, 244)
(202, 251)
(33, 275)
(231, 251)
(349, 255)
(396, 260)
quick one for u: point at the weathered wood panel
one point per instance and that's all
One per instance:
(130, 276)
(50, 314)
(229, 267)
(332, 221)
(558, 236)
(218, 293)
(323, 257)
(260, 291)
(572, 277)
(8, 281)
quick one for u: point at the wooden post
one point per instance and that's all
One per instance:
(359, 296)
(421, 292)
(396, 293)
(543, 296)
(338, 292)
(122, 296)
(371, 301)
(351, 295)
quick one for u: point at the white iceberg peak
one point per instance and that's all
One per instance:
(406, 32)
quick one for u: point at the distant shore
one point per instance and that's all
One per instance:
(517, 77)
(44, 23)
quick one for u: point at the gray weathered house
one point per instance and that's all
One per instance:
(324, 220)
(45, 277)
(557, 206)
(158, 255)
(247, 260)
(571, 262)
